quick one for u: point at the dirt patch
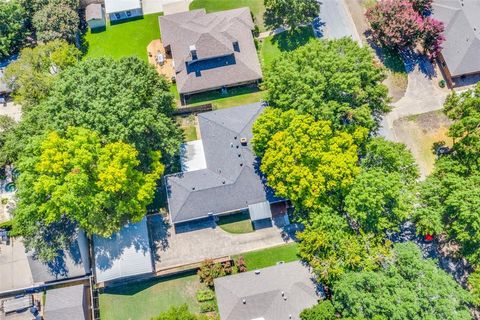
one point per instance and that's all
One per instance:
(419, 133)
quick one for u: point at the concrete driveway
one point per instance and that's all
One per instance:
(422, 95)
(335, 21)
(203, 240)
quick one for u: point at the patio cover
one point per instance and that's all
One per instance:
(125, 254)
(66, 303)
(260, 211)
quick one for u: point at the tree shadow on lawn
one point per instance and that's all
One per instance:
(134, 287)
(292, 39)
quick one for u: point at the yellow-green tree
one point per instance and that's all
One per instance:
(309, 163)
(75, 177)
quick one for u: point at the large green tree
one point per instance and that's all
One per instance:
(12, 27)
(409, 288)
(391, 157)
(333, 80)
(123, 100)
(6, 125)
(56, 21)
(332, 248)
(73, 175)
(34, 71)
(290, 13)
(464, 110)
(379, 201)
(309, 163)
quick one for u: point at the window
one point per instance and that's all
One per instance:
(236, 46)
(129, 13)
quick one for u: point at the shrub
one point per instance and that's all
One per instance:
(205, 295)
(240, 264)
(208, 306)
(442, 83)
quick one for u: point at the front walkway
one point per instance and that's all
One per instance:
(198, 241)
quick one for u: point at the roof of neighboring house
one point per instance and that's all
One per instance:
(212, 35)
(66, 303)
(112, 6)
(232, 179)
(20, 269)
(94, 11)
(127, 253)
(461, 49)
(276, 292)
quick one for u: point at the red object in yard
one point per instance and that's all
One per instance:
(428, 237)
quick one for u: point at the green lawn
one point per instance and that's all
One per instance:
(235, 97)
(273, 46)
(256, 7)
(130, 38)
(236, 223)
(269, 257)
(144, 300)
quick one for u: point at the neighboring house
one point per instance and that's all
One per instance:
(125, 254)
(123, 9)
(95, 16)
(21, 271)
(225, 177)
(66, 303)
(211, 51)
(460, 55)
(274, 293)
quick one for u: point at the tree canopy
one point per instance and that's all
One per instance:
(401, 24)
(12, 28)
(74, 175)
(333, 80)
(410, 287)
(308, 162)
(56, 21)
(290, 13)
(123, 100)
(34, 71)
(332, 248)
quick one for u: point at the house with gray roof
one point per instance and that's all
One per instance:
(460, 55)
(21, 270)
(280, 292)
(230, 180)
(211, 51)
(66, 303)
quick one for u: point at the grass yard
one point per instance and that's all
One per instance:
(130, 38)
(144, 300)
(236, 223)
(273, 46)
(269, 257)
(235, 97)
(256, 7)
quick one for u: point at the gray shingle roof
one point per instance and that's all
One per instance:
(213, 35)
(232, 180)
(263, 293)
(66, 303)
(461, 50)
(94, 11)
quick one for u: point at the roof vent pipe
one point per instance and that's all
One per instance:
(244, 301)
(257, 271)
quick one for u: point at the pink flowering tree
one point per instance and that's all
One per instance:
(432, 36)
(394, 23)
(399, 24)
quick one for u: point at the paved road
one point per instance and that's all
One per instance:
(335, 21)
(207, 241)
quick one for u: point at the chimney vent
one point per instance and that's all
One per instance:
(193, 52)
